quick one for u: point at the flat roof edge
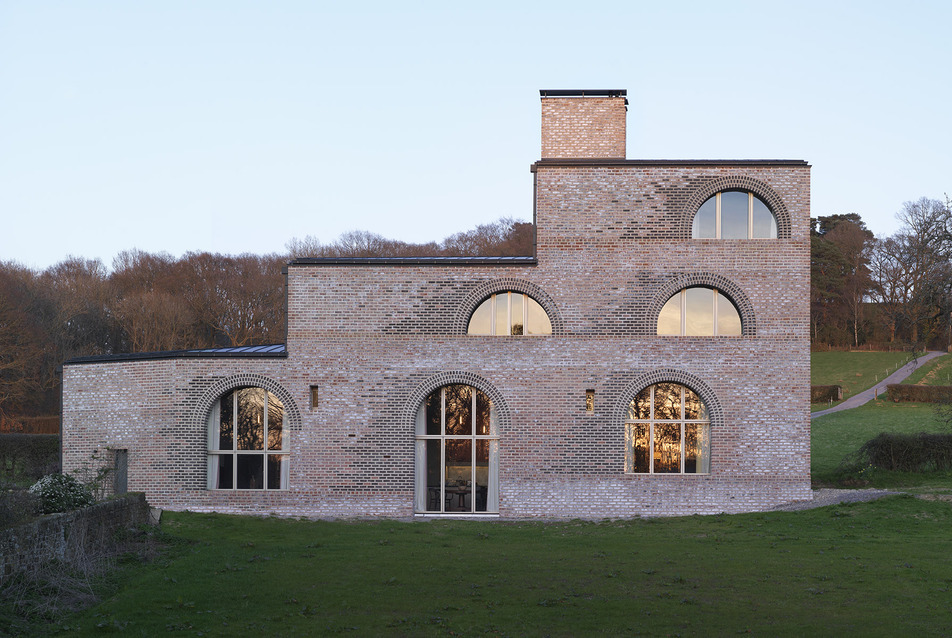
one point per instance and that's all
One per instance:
(175, 354)
(584, 161)
(414, 261)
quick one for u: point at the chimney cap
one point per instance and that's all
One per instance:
(584, 93)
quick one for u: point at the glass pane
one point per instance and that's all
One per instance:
(636, 448)
(667, 447)
(483, 413)
(434, 476)
(705, 220)
(275, 423)
(518, 321)
(481, 321)
(640, 407)
(694, 408)
(226, 429)
(538, 321)
(765, 224)
(459, 475)
(250, 471)
(696, 448)
(699, 311)
(728, 319)
(481, 476)
(277, 471)
(502, 313)
(669, 321)
(667, 401)
(433, 408)
(734, 215)
(459, 410)
(225, 470)
(250, 418)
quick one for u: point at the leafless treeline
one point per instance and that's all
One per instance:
(153, 302)
(884, 289)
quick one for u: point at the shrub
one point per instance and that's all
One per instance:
(25, 458)
(919, 393)
(61, 493)
(923, 452)
(825, 393)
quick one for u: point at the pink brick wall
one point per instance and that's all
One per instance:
(613, 240)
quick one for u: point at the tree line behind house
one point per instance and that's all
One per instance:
(883, 290)
(149, 302)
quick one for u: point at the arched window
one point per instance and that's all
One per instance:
(509, 313)
(699, 311)
(457, 452)
(668, 431)
(734, 215)
(247, 442)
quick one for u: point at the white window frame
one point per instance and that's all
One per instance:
(683, 422)
(718, 294)
(750, 216)
(526, 298)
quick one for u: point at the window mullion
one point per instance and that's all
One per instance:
(717, 216)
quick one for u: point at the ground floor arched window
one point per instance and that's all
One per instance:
(667, 431)
(457, 452)
(247, 442)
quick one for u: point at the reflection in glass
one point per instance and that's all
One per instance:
(536, 318)
(509, 313)
(734, 214)
(667, 448)
(249, 423)
(661, 437)
(699, 311)
(481, 323)
(458, 465)
(517, 313)
(705, 221)
(669, 320)
(764, 222)
(728, 319)
(706, 312)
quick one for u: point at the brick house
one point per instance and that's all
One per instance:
(651, 358)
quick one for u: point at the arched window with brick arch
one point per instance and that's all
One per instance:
(734, 214)
(699, 311)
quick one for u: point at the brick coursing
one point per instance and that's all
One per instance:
(613, 244)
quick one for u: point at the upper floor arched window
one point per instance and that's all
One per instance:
(699, 311)
(734, 215)
(509, 313)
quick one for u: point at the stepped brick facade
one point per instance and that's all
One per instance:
(370, 341)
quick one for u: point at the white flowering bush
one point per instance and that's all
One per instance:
(61, 493)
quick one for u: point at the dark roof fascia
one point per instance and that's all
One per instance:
(175, 354)
(414, 261)
(585, 161)
(584, 93)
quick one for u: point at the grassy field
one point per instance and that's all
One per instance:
(855, 371)
(935, 372)
(876, 568)
(879, 569)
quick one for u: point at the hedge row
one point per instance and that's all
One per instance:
(825, 393)
(919, 393)
(921, 452)
(24, 458)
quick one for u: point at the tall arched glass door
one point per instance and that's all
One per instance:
(457, 452)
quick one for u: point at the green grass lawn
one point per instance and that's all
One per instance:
(836, 435)
(855, 371)
(878, 568)
(935, 372)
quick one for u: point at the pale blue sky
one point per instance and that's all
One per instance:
(234, 126)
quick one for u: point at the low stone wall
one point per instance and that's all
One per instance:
(73, 538)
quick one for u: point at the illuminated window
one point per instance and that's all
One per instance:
(247, 442)
(699, 311)
(457, 452)
(734, 215)
(667, 432)
(509, 313)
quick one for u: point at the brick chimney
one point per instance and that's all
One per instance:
(584, 123)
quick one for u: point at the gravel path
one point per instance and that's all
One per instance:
(830, 496)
